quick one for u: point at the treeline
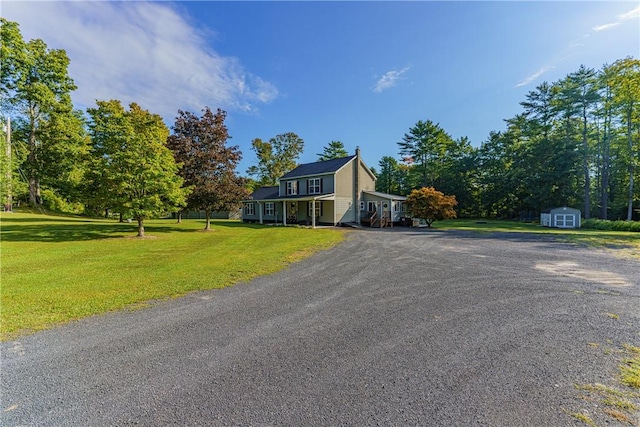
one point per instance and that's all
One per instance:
(576, 143)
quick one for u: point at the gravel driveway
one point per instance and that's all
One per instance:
(392, 327)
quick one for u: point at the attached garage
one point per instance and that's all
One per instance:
(563, 217)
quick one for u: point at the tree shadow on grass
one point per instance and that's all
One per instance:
(61, 229)
(60, 232)
(77, 230)
(5, 219)
(235, 224)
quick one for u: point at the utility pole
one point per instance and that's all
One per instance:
(8, 206)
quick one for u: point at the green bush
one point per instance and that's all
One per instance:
(55, 203)
(603, 224)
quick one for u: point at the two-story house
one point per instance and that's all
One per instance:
(332, 192)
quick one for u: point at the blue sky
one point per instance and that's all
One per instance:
(359, 72)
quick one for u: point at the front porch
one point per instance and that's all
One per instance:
(300, 211)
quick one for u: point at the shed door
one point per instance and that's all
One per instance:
(565, 221)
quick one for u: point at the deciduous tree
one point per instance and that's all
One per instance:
(64, 155)
(430, 204)
(134, 170)
(35, 84)
(207, 164)
(276, 157)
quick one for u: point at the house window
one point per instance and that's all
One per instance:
(249, 209)
(372, 206)
(399, 207)
(269, 208)
(361, 206)
(314, 186)
(292, 188)
(318, 209)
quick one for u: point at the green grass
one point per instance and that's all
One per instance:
(626, 242)
(630, 370)
(619, 401)
(584, 418)
(56, 269)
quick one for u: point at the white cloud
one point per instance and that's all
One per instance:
(603, 27)
(632, 14)
(535, 75)
(389, 79)
(140, 52)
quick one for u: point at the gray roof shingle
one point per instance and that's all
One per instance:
(262, 193)
(318, 168)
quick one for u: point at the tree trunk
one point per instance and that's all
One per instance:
(585, 166)
(631, 167)
(180, 216)
(207, 226)
(9, 177)
(121, 217)
(140, 227)
(604, 186)
(34, 192)
(34, 183)
(630, 206)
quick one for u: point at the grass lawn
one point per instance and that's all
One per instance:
(626, 243)
(56, 269)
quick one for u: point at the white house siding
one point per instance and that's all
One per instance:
(344, 210)
(344, 193)
(347, 200)
(344, 181)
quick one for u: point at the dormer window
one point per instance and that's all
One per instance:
(314, 186)
(292, 188)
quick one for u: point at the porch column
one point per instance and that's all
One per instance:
(313, 213)
(284, 213)
(260, 212)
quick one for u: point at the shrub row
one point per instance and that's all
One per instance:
(619, 225)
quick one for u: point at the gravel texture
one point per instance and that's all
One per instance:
(392, 327)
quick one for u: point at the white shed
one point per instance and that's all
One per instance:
(563, 217)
